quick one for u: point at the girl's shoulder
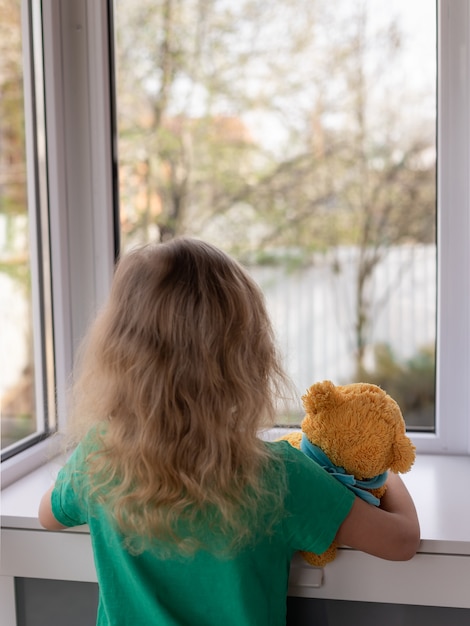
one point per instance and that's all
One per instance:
(292, 458)
(78, 453)
(282, 449)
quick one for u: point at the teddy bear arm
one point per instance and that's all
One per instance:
(293, 438)
(379, 492)
(320, 560)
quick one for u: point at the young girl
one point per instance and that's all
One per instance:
(193, 518)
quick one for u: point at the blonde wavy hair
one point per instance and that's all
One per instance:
(176, 377)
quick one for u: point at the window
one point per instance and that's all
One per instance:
(27, 368)
(300, 137)
(77, 169)
(82, 166)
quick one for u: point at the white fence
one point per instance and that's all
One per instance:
(314, 309)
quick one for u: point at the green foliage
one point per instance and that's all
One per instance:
(411, 383)
(18, 271)
(16, 428)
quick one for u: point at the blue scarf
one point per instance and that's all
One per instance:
(358, 486)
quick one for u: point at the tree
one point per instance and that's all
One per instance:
(185, 88)
(386, 196)
(272, 126)
(13, 199)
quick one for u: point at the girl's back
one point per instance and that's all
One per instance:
(192, 517)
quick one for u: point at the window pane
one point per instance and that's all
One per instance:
(22, 288)
(300, 137)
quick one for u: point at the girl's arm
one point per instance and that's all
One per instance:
(390, 531)
(46, 517)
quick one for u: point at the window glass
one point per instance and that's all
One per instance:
(24, 338)
(300, 137)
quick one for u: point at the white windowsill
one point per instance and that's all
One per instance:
(438, 484)
(437, 576)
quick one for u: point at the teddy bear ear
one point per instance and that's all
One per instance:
(403, 454)
(319, 395)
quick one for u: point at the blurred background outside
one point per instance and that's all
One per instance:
(299, 137)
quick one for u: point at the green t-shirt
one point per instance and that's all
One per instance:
(248, 589)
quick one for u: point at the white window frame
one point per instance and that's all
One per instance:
(453, 201)
(81, 160)
(38, 226)
(80, 181)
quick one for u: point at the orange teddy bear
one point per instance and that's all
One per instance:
(357, 433)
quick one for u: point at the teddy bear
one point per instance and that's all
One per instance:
(357, 433)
